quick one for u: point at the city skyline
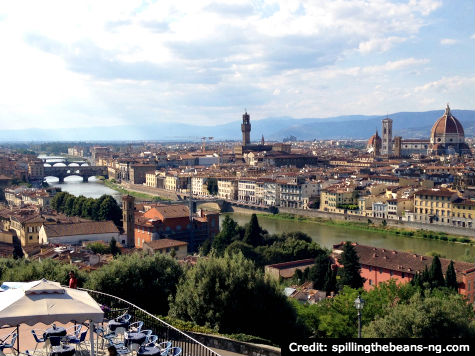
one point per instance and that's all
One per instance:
(122, 63)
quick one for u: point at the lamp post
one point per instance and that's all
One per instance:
(359, 304)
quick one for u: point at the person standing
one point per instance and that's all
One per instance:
(73, 281)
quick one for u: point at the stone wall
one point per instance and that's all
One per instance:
(243, 348)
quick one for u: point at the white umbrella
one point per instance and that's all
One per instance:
(47, 302)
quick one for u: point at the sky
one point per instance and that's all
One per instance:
(67, 64)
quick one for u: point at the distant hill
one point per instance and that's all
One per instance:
(406, 124)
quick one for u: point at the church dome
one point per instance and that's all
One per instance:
(374, 141)
(447, 124)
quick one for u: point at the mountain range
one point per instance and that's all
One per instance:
(405, 124)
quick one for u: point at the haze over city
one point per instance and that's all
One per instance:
(118, 63)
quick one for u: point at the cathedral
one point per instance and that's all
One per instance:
(446, 137)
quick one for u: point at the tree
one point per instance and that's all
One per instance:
(330, 280)
(109, 209)
(319, 271)
(212, 186)
(429, 317)
(435, 273)
(228, 293)
(78, 204)
(145, 280)
(26, 271)
(57, 202)
(69, 204)
(114, 250)
(223, 239)
(89, 209)
(253, 232)
(350, 273)
(451, 277)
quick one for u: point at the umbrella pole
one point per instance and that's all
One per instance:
(91, 336)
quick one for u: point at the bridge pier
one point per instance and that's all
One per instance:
(84, 179)
(61, 180)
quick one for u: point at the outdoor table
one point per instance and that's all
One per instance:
(55, 331)
(134, 338)
(64, 350)
(149, 351)
(114, 324)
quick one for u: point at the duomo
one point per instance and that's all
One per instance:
(446, 138)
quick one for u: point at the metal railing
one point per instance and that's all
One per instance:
(115, 306)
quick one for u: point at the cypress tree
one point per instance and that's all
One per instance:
(252, 235)
(330, 280)
(350, 274)
(451, 277)
(319, 271)
(435, 273)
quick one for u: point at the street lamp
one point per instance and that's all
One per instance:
(359, 304)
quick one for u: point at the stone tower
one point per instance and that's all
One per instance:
(387, 144)
(246, 129)
(397, 146)
(128, 221)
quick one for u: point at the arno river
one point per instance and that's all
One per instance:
(324, 235)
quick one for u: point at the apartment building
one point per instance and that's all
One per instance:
(434, 205)
(227, 188)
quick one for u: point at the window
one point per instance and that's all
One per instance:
(391, 273)
(380, 270)
(370, 282)
(31, 237)
(370, 268)
(403, 275)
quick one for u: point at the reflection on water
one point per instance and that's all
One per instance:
(329, 235)
(74, 185)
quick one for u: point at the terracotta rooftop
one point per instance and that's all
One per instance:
(403, 261)
(165, 243)
(82, 228)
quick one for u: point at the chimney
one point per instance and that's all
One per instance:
(422, 258)
(375, 255)
(394, 253)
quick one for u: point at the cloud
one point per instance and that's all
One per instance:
(447, 84)
(201, 61)
(448, 41)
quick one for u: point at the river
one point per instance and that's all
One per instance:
(324, 235)
(74, 184)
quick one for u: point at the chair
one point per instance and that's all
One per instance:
(76, 330)
(164, 347)
(136, 327)
(124, 317)
(38, 340)
(174, 351)
(11, 345)
(78, 341)
(147, 333)
(151, 340)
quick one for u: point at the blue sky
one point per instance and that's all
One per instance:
(108, 63)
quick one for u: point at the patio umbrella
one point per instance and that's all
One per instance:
(47, 302)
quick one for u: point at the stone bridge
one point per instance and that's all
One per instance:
(66, 161)
(85, 172)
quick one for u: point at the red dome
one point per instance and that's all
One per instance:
(447, 124)
(374, 141)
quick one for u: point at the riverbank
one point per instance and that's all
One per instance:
(143, 196)
(411, 233)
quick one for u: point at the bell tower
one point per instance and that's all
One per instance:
(246, 129)
(128, 221)
(387, 144)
